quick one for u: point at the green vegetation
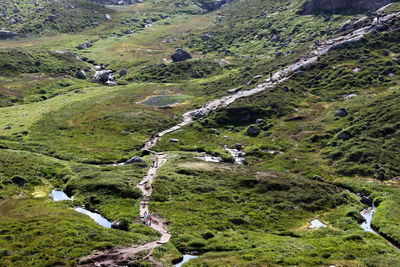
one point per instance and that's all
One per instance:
(49, 17)
(57, 131)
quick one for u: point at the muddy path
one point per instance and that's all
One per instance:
(124, 256)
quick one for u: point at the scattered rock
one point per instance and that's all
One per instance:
(7, 34)
(18, 180)
(367, 201)
(253, 131)
(85, 45)
(254, 79)
(123, 72)
(341, 112)
(344, 135)
(205, 37)
(180, 55)
(81, 74)
(107, 17)
(134, 160)
(120, 224)
(174, 140)
(234, 90)
(238, 146)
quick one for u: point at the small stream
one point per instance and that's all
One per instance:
(368, 214)
(186, 258)
(59, 195)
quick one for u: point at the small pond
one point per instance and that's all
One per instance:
(59, 195)
(164, 100)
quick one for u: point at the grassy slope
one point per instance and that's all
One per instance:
(258, 213)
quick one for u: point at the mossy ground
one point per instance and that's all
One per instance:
(60, 132)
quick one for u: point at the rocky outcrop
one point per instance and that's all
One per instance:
(331, 5)
(7, 35)
(180, 55)
(117, 2)
(211, 5)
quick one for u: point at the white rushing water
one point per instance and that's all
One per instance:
(95, 216)
(186, 258)
(59, 195)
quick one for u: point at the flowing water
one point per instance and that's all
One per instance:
(95, 216)
(185, 259)
(59, 195)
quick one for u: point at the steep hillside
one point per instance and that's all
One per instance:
(29, 18)
(252, 133)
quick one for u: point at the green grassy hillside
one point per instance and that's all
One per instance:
(326, 134)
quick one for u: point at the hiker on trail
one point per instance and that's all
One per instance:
(152, 135)
(154, 161)
(145, 215)
(150, 219)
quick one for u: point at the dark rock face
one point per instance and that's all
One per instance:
(367, 201)
(117, 2)
(345, 135)
(331, 5)
(213, 4)
(253, 130)
(180, 55)
(18, 181)
(7, 35)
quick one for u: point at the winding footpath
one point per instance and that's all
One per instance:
(123, 256)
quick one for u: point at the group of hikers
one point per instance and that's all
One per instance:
(147, 218)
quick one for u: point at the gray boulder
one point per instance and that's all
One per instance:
(81, 74)
(180, 55)
(85, 45)
(341, 112)
(238, 146)
(107, 17)
(367, 201)
(174, 140)
(253, 131)
(205, 37)
(234, 90)
(120, 224)
(344, 135)
(123, 72)
(7, 35)
(134, 160)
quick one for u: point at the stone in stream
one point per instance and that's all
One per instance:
(120, 224)
(238, 146)
(367, 201)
